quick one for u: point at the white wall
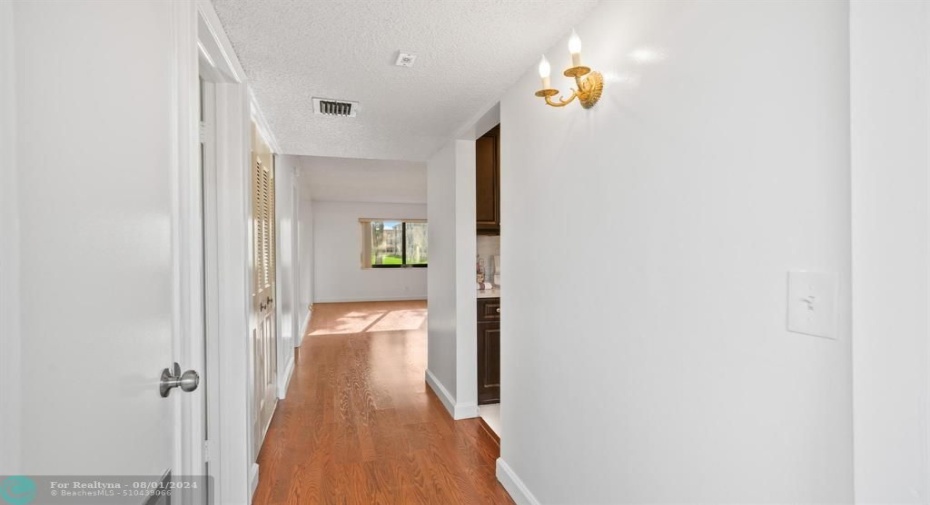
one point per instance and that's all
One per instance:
(287, 264)
(362, 180)
(9, 254)
(452, 346)
(645, 357)
(337, 242)
(441, 316)
(891, 258)
(305, 262)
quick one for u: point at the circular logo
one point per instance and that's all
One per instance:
(18, 490)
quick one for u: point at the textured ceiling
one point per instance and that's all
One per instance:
(356, 180)
(468, 54)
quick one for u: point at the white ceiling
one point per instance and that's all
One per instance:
(468, 54)
(357, 180)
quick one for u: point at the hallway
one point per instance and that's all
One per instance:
(359, 424)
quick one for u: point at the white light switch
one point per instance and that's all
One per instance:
(812, 303)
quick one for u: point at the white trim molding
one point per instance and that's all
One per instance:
(456, 410)
(513, 485)
(211, 32)
(253, 481)
(466, 248)
(10, 377)
(187, 239)
(263, 129)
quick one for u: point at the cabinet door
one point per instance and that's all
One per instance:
(489, 363)
(487, 182)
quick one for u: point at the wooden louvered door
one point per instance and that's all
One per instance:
(263, 332)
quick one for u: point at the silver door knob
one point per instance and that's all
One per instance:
(173, 378)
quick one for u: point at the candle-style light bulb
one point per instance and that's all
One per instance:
(544, 71)
(574, 47)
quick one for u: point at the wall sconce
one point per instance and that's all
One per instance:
(590, 84)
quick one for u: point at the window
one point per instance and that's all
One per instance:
(394, 243)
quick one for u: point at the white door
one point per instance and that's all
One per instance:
(98, 174)
(264, 346)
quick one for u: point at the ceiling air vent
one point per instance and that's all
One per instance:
(329, 107)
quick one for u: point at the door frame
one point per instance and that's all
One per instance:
(204, 49)
(186, 238)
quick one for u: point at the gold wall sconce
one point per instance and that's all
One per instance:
(589, 84)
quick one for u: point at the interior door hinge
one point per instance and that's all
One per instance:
(206, 450)
(203, 132)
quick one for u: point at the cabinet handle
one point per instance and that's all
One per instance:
(498, 310)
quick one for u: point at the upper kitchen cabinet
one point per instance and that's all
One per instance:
(488, 182)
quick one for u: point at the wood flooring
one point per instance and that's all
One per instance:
(360, 426)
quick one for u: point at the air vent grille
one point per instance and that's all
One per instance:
(329, 107)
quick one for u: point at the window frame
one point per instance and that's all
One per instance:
(366, 243)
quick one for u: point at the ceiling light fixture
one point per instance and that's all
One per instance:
(590, 84)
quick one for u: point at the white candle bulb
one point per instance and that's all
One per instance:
(544, 71)
(574, 47)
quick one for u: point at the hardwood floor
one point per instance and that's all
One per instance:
(360, 426)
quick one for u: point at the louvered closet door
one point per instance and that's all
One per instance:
(263, 333)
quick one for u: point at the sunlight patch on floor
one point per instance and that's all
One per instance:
(352, 322)
(400, 320)
(362, 321)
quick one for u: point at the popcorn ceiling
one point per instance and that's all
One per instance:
(468, 54)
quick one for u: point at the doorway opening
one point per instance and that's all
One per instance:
(488, 276)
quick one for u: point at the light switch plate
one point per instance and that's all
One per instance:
(812, 303)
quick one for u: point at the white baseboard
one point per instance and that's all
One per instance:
(517, 489)
(457, 411)
(441, 392)
(253, 480)
(373, 299)
(465, 411)
(288, 372)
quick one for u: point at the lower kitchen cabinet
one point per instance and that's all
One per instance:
(489, 351)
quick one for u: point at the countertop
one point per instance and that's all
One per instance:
(489, 293)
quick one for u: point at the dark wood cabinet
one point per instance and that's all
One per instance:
(487, 182)
(489, 350)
